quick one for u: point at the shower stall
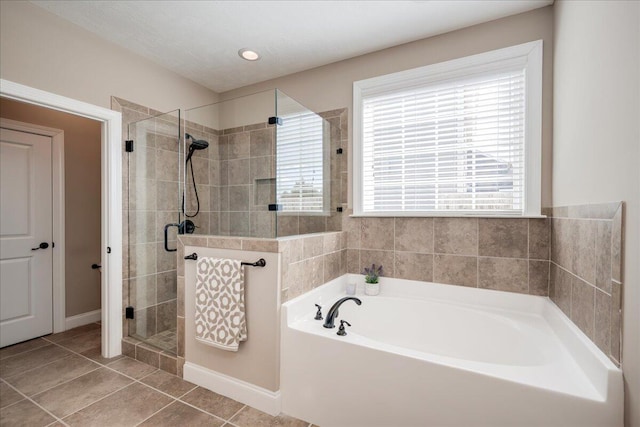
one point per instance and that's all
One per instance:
(253, 166)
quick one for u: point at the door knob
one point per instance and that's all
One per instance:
(43, 245)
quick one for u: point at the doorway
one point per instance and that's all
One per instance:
(111, 201)
(26, 267)
(75, 241)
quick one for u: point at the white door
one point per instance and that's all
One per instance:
(26, 309)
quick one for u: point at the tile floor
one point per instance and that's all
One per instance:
(62, 380)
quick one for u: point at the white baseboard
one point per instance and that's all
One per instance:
(262, 399)
(82, 319)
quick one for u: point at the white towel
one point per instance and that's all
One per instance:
(220, 316)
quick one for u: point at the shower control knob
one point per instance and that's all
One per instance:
(43, 245)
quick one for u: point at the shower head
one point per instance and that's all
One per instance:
(196, 144)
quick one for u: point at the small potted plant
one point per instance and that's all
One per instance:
(371, 278)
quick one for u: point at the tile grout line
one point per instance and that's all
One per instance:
(28, 351)
(33, 402)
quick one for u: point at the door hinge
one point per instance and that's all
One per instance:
(108, 249)
(128, 146)
(339, 151)
(128, 313)
(275, 120)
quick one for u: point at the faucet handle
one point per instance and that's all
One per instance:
(318, 313)
(341, 330)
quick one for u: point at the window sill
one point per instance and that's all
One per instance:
(440, 215)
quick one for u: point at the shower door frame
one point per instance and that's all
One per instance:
(111, 199)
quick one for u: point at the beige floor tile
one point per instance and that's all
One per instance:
(168, 383)
(72, 332)
(83, 342)
(213, 403)
(24, 413)
(83, 391)
(132, 368)
(179, 414)
(8, 396)
(95, 354)
(12, 350)
(47, 376)
(250, 417)
(23, 362)
(126, 407)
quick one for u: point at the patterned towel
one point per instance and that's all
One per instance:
(220, 318)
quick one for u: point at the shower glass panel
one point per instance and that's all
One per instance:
(303, 190)
(236, 185)
(155, 170)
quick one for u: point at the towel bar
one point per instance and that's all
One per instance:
(260, 263)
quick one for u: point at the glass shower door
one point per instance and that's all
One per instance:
(154, 193)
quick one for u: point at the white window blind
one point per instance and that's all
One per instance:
(300, 180)
(453, 138)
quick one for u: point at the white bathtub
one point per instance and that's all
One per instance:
(424, 354)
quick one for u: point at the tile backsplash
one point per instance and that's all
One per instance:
(585, 280)
(507, 254)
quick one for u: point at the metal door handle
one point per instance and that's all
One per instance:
(43, 245)
(95, 266)
(166, 237)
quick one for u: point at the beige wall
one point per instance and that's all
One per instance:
(41, 50)
(596, 138)
(330, 87)
(82, 199)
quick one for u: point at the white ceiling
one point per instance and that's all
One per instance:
(200, 39)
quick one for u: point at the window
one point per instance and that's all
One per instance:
(457, 138)
(301, 185)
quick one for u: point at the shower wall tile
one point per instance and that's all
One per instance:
(167, 316)
(165, 261)
(143, 163)
(142, 226)
(200, 170)
(166, 285)
(238, 145)
(261, 142)
(239, 172)
(239, 197)
(142, 195)
(263, 167)
(142, 291)
(167, 195)
(166, 165)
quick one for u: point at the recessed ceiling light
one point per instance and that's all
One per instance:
(248, 54)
